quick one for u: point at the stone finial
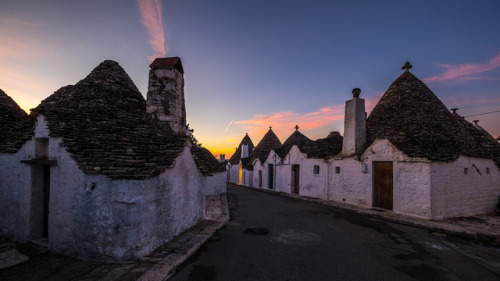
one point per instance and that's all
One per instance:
(270, 127)
(454, 110)
(356, 92)
(407, 66)
(296, 127)
(246, 134)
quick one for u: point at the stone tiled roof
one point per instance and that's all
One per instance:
(15, 125)
(412, 118)
(206, 161)
(298, 139)
(103, 124)
(269, 142)
(235, 159)
(324, 148)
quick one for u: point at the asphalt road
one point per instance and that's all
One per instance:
(271, 237)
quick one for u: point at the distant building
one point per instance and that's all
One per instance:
(99, 171)
(240, 158)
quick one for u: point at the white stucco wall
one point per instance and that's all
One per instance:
(455, 193)
(272, 158)
(93, 216)
(247, 178)
(309, 184)
(98, 217)
(15, 195)
(234, 172)
(411, 180)
(215, 184)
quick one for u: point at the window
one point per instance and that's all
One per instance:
(337, 170)
(466, 171)
(316, 170)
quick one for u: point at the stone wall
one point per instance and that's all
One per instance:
(411, 180)
(165, 97)
(15, 195)
(215, 184)
(456, 193)
(234, 172)
(97, 217)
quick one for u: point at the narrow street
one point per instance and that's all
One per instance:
(271, 237)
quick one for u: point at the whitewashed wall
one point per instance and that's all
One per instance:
(92, 216)
(455, 193)
(98, 217)
(309, 184)
(15, 195)
(247, 178)
(234, 172)
(272, 158)
(215, 184)
(411, 180)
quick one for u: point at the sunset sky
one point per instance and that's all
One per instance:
(254, 64)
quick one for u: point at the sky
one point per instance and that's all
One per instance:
(254, 64)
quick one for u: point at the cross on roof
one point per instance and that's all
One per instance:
(407, 66)
(297, 127)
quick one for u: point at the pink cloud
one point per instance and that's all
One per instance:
(285, 121)
(464, 72)
(151, 18)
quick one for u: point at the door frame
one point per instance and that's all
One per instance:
(377, 201)
(295, 179)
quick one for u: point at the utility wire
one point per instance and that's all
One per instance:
(483, 113)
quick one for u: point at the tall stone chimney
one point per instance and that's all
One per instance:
(354, 125)
(165, 97)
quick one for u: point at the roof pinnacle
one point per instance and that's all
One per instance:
(296, 127)
(407, 66)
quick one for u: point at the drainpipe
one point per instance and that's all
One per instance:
(327, 180)
(274, 174)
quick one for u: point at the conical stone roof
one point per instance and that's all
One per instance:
(326, 147)
(298, 139)
(15, 125)
(413, 118)
(206, 161)
(236, 157)
(103, 124)
(269, 142)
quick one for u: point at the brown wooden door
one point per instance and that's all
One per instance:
(382, 185)
(295, 178)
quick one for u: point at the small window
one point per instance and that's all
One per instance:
(487, 171)
(337, 170)
(466, 171)
(316, 170)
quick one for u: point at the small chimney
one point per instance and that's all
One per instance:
(354, 125)
(165, 97)
(222, 158)
(454, 110)
(244, 151)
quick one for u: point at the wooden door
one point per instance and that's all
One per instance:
(382, 185)
(295, 179)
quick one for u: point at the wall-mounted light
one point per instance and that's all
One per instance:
(364, 168)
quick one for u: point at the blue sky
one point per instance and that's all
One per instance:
(254, 64)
